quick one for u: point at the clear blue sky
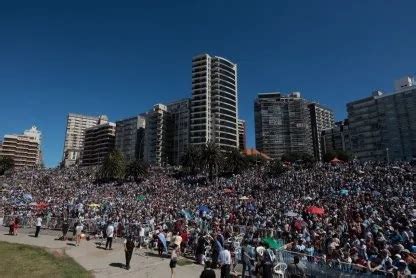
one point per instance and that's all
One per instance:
(96, 58)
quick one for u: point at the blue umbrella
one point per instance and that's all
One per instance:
(203, 208)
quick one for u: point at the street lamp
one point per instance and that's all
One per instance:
(388, 156)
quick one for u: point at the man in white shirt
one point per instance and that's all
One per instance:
(110, 234)
(141, 236)
(224, 259)
(38, 225)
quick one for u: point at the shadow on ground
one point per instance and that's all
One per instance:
(119, 265)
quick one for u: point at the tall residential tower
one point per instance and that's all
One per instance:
(74, 137)
(282, 124)
(214, 104)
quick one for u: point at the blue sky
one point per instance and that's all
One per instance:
(95, 57)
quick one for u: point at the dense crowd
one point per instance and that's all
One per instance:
(360, 213)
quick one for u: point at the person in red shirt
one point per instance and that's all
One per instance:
(185, 238)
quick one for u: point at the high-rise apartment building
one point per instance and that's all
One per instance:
(241, 135)
(179, 113)
(383, 126)
(157, 136)
(282, 124)
(167, 133)
(98, 143)
(74, 137)
(24, 148)
(336, 138)
(214, 103)
(130, 137)
(321, 118)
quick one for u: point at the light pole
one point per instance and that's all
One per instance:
(388, 156)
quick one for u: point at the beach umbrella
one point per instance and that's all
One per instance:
(244, 198)
(315, 210)
(291, 214)
(308, 198)
(227, 190)
(298, 224)
(203, 208)
(273, 244)
(344, 192)
(187, 214)
(42, 205)
(94, 205)
(33, 204)
(140, 198)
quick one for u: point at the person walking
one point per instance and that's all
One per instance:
(38, 225)
(224, 259)
(110, 234)
(141, 237)
(78, 232)
(268, 259)
(65, 227)
(128, 250)
(173, 260)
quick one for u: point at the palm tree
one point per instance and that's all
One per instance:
(235, 162)
(6, 163)
(191, 160)
(211, 157)
(136, 170)
(113, 168)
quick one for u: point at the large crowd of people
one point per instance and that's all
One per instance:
(355, 213)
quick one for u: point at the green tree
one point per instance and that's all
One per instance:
(327, 157)
(211, 156)
(137, 170)
(235, 162)
(6, 164)
(191, 161)
(113, 168)
(344, 155)
(275, 168)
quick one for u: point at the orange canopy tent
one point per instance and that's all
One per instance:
(336, 160)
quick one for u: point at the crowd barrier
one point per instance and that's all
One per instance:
(316, 266)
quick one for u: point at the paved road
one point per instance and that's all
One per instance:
(104, 263)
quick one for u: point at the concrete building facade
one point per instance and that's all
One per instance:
(157, 146)
(179, 113)
(130, 137)
(24, 149)
(242, 135)
(214, 103)
(98, 143)
(321, 118)
(167, 133)
(74, 137)
(282, 124)
(336, 138)
(383, 126)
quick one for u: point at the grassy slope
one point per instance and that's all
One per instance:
(17, 260)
